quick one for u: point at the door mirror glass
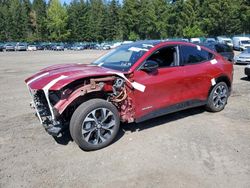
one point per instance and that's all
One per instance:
(150, 66)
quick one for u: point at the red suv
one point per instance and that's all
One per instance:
(132, 83)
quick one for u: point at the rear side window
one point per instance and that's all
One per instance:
(193, 54)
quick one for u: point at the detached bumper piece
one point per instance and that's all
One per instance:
(54, 130)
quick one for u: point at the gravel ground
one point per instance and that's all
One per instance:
(192, 148)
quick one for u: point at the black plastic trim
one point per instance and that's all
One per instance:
(171, 109)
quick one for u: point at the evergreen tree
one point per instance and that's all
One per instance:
(129, 19)
(4, 33)
(244, 14)
(99, 20)
(77, 11)
(162, 15)
(147, 20)
(57, 21)
(15, 25)
(25, 19)
(95, 20)
(221, 17)
(112, 28)
(38, 19)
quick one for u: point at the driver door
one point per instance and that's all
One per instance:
(163, 86)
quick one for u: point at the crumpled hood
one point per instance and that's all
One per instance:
(57, 76)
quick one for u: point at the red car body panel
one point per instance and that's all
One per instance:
(173, 85)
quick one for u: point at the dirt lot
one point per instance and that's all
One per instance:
(193, 148)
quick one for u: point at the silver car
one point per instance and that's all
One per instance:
(21, 47)
(9, 47)
(243, 58)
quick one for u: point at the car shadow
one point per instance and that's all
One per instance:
(133, 127)
(65, 137)
(245, 78)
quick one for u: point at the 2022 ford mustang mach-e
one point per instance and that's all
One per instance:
(132, 83)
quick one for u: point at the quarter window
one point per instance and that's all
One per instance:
(193, 54)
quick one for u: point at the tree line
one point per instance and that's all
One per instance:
(103, 20)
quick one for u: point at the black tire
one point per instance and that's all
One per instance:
(217, 101)
(85, 128)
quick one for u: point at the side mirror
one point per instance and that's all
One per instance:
(150, 66)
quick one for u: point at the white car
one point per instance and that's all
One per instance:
(225, 40)
(195, 40)
(31, 48)
(241, 43)
(243, 58)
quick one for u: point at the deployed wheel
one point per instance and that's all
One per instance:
(94, 124)
(217, 99)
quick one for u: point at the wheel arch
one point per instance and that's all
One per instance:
(222, 78)
(71, 107)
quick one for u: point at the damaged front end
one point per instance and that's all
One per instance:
(54, 108)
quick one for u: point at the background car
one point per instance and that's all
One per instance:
(243, 58)
(58, 47)
(1, 47)
(39, 47)
(106, 46)
(31, 48)
(223, 49)
(21, 47)
(9, 47)
(225, 40)
(78, 47)
(241, 43)
(195, 40)
(247, 71)
(210, 40)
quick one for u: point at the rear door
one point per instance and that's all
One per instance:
(196, 67)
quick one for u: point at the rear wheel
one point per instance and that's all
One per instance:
(217, 99)
(94, 124)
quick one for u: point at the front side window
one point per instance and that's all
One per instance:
(165, 57)
(194, 54)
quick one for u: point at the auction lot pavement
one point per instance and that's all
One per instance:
(192, 148)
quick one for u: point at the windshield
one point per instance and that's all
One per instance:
(245, 42)
(124, 57)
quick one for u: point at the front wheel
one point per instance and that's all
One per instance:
(217, 99)
(94, 124)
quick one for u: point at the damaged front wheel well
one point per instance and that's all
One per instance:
(78, 101)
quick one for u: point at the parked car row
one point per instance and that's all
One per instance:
(237, 43)
(59, 46)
